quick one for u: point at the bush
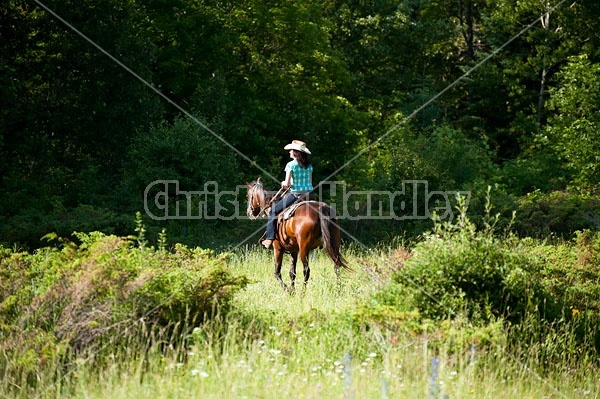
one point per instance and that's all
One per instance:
(537, 290)
(559, 213)
(78, 297)
(571, 276)
(28, 224)
(457, 268)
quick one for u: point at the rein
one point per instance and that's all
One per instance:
(278, 195)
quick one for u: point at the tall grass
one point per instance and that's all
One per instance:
(317, 344)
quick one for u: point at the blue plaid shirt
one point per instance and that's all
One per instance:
(300, 176)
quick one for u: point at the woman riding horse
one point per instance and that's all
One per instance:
(313, 225)
(298, 178)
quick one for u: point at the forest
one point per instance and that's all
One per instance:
(101, 98)
(458, 142)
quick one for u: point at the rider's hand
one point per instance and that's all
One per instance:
(284, 185)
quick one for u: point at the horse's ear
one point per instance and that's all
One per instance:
(258, 180)
(248, 185)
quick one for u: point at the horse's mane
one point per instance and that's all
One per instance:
(263, 196)
(260, 192)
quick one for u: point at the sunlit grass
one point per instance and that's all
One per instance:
(277, 345)
(323, 292)
(263, 371)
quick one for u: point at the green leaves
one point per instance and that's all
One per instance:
(574, 129)
(79, 131)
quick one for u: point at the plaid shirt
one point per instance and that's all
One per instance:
(300, 176)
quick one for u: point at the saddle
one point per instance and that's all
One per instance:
(289, 211)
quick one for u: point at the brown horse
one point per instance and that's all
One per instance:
(313, 225)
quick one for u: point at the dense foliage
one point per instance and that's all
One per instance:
(546, 294)
(83, 128)
(68, 301)
(116, 311)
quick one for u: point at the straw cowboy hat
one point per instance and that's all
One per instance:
(297, 145)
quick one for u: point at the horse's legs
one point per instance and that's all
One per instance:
(278, 259)
(304, 259)
(293, 268)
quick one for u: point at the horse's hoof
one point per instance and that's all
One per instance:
(290, 290)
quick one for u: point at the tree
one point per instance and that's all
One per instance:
(574, 129)
(70, 111)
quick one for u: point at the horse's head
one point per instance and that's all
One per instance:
(256, 199)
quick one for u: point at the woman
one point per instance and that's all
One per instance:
(298, 178)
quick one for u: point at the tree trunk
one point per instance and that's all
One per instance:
(540, 108)
(466, 22)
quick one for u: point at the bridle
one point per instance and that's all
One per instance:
(252, 211)
(255, 212)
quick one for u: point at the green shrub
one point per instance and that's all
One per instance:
(536, 168)
(557, 213)
(26, 225)
(537, 290)
(78, 298)
(466, 270)
(571, 277)
(192, 283)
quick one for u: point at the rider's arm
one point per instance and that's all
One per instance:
(288, 180)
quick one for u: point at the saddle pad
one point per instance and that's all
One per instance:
(289, 212)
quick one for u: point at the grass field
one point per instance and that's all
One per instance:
(310, 345)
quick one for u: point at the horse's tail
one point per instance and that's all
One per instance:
(330, 233)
